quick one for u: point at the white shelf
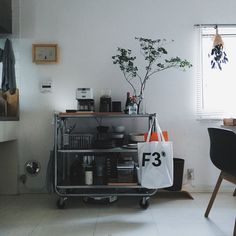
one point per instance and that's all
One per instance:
(8, 130)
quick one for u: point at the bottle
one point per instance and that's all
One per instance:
(89, 172)
(128, 103)
(88, 175)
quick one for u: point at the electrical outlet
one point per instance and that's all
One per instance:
(190, 174)
(23, 178)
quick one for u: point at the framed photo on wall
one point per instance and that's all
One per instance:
(44, 53)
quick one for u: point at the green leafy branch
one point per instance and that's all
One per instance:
(154, 54)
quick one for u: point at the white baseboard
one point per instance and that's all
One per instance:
(208, 188)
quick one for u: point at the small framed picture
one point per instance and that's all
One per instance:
(45, 53)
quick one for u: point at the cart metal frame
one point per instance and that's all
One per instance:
(103, 191)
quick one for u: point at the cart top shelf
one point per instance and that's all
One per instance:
(124, 149)
(100, 114)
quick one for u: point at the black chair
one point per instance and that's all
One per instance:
(234, 228)
(223, 156)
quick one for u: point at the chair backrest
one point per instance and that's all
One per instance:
(223, 149)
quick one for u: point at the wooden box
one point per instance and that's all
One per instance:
(229, 121)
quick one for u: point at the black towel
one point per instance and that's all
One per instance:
(8, 68)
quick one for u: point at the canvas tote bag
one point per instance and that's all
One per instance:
(155, 161)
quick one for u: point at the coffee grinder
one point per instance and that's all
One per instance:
(85, 101)
(105, 101)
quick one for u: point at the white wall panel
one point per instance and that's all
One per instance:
(88, 33)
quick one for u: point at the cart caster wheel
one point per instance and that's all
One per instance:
(61, 203)
(144, 203)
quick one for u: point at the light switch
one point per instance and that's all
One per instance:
(46, 86)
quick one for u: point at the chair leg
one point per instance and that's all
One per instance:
(213, 196)
(234, 228)
(234, 194)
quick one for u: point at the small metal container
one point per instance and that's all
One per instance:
(125, 172)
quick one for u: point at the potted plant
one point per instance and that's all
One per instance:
(154, 54)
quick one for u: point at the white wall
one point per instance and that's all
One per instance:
(88, 33)
(9, 155)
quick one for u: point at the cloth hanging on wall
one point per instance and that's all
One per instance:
(1, 54)
(8, 68)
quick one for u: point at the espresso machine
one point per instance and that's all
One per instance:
(85, 100)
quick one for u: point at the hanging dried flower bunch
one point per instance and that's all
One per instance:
(217, 53)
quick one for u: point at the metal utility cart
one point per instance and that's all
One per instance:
(96, 165)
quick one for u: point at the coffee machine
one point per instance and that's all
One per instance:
(85, 101)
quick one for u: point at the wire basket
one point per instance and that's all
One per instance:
(78, 141)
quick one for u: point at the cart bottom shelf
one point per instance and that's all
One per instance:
(104, 195)
(98, 192)
(144, 202)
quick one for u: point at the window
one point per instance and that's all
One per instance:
(216, 89)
